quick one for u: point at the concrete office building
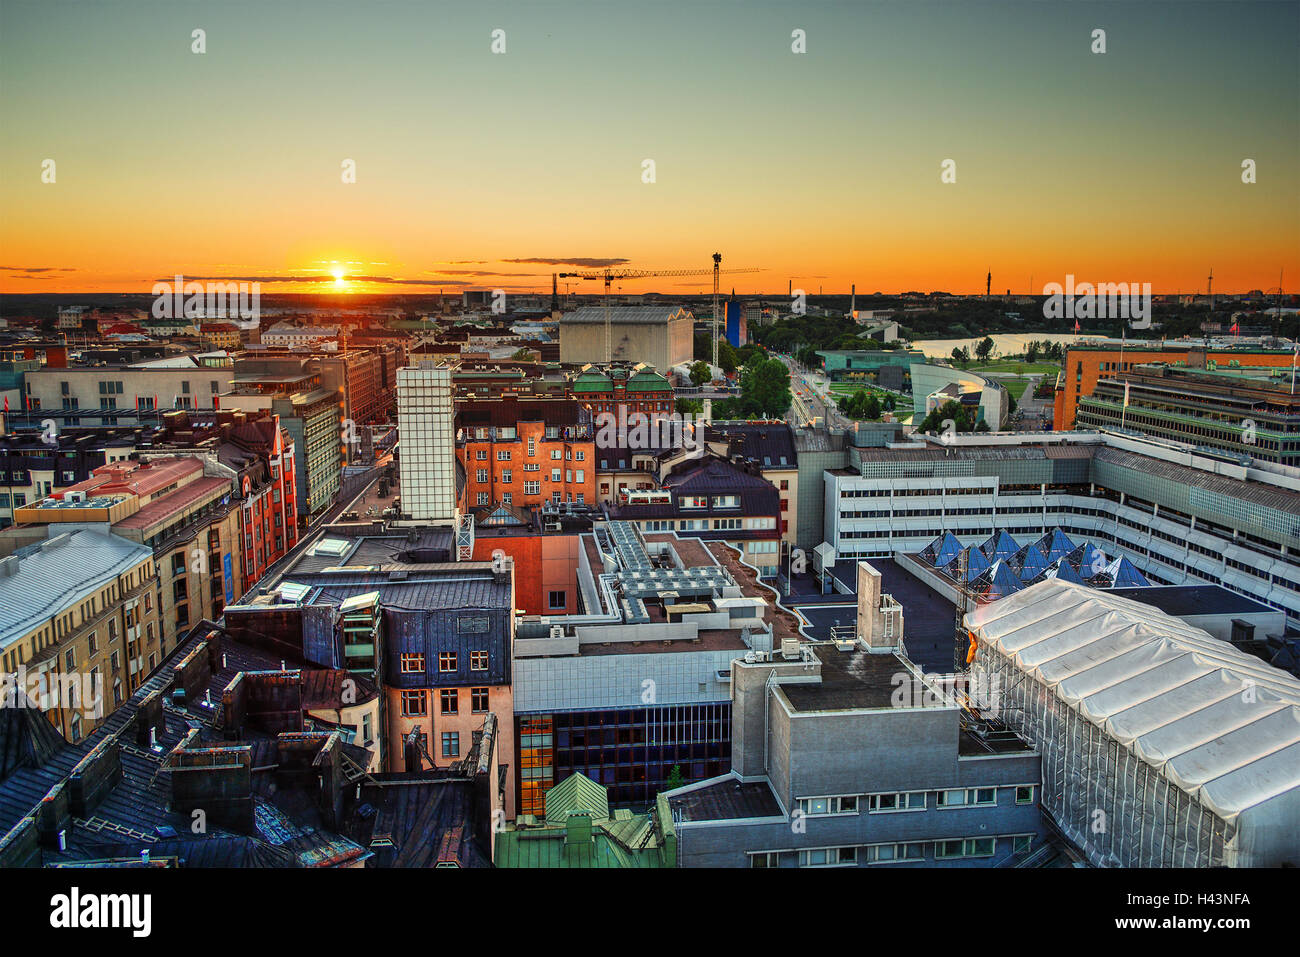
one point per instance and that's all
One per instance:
(846, 754)
(1180, 516)
(123, 394)
(428, 452)
(662, 336)
(1088, 362)
(1241, 411)
(635, 682)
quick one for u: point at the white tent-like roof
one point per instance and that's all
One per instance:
(1216, 722)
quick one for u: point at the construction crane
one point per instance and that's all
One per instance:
(611, 275)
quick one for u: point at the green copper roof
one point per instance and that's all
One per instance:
(580, 831)
(648, 382)
(576, 793)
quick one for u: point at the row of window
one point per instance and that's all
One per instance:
(892, 853)
(415, 704)
(893, 801)
(448, 661)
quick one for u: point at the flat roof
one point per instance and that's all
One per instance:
(1184, 600)
(728, 799)
(851, 680)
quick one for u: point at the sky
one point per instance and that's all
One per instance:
(477, 169)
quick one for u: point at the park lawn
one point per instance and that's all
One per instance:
(1015, 386)
(1015, 367)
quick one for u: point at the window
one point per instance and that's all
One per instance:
(478, 700)
(449, 699)
(829, 857)
(1025, 794)
(92, 643)
(483, 498)
(412, 664)
(893, 853)
(765, 859)
(847, 804)
(478, 661)
(532, 488)
(555, 454)
(555, 475)
(505, 476)
(503, 455)
(450, 744)
(447, 661)
(414, 704)
(472, 625)
(556, 601)
(900, 801)
(480, 455)
(70, 659)
(970, 847)
(1021, 843)
(481, 475)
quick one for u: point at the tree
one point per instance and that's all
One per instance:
(984, 348)
(701, 372)
(764, 387)
(522, 355)
(890, 404)
(727, 357)
(952, 410)
(675, 778)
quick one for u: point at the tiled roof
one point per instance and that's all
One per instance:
(174, 503)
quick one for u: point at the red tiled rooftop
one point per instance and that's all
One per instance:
(173, 503)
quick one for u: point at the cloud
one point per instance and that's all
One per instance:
(573, 261)
(35, 269)
(328, 279)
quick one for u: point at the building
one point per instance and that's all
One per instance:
(428, 453)
(662, 336)
(289, 336)
(34, 465)
(525, 452)
(845, 754)
(129, 394)
(633, 683)
(1179, 515)
(715, 500)
(1087, 362)
(260, 454)
(580, 830)
(1182, 745)
(435, 636)
(77, 614)
(225, 729)
(1241, 411)
(621, 390)
(985, 399)
(288, 388)
(182, 507)
(220, 335)
(887, 368)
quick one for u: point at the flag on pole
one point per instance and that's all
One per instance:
(1236, 329)
(1076, 325)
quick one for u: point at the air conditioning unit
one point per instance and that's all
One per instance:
(76, 496)
(557, 632)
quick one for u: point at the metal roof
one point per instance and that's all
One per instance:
(53, 574)
(1216, 722)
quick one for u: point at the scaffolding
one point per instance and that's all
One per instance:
(1161, 745)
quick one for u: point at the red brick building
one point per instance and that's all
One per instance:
(525, 452)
